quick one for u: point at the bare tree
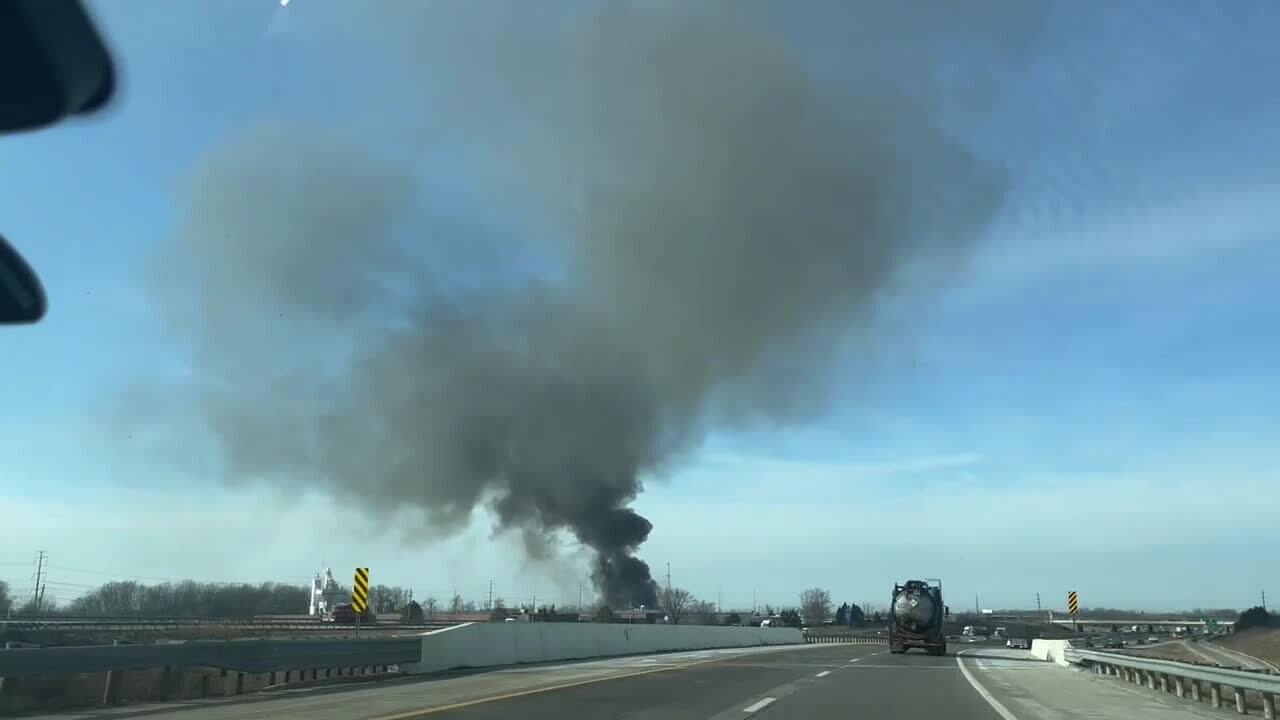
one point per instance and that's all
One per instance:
(388, 598)
(189, 598)
(703, 612)
(815, 605)
(430, 605)
(675, 603)
(469, 606)
(455, 604)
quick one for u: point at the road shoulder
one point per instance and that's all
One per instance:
(1032, 689)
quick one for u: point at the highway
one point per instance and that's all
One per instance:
(981, 682)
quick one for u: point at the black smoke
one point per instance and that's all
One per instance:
(676, 217)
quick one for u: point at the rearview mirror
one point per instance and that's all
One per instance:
(53, 64)
(22, 298)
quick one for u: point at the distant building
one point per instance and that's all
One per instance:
(326, 594)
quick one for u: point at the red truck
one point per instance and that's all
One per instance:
(344, 613)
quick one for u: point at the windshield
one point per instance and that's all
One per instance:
(752, 323)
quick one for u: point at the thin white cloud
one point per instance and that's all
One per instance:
(798, 469)
(1208, 222)
(218, 534)
(1177, 526)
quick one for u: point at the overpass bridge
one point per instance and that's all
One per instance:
(1226, 624)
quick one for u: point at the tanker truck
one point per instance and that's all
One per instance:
(916, 614)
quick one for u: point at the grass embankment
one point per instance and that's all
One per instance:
(1262, 643)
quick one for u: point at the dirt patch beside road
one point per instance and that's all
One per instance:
(1166, 651)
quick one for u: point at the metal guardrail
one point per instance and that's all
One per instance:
(145, 624)
(846, 639)
(1185, 677)
(252, 656)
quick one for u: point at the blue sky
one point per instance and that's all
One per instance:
(1090, 403)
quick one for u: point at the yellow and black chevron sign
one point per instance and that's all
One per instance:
(1073, 602)
(360, 594)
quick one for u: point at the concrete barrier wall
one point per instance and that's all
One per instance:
(491, 644)
(1051, 650)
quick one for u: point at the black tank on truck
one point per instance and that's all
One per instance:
(916, 616)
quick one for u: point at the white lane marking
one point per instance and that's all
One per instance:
(755, 707)
(995, 704)
(855, 660)
(824, 673)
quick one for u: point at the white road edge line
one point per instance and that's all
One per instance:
(824, 673)
(755, 707)
(995, 704)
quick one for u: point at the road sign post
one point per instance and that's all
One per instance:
(360, 595)
(1073, 607)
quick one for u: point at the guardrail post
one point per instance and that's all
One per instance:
(168, 681)
(1240, 706)
(1195, 690)
(1215, 695)
(1180, 686)
(8, 645)
(1269, 706)
(1164, 682)
(239, 683)
(1151, 680)
(112, 683)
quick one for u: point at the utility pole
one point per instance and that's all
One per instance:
(579, 597)
(1264, 599)
(491, 595)
(668, 577)
(1038, 608)
(38, 591)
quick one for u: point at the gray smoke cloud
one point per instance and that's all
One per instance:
(704, 213)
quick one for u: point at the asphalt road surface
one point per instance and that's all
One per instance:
(813, 682)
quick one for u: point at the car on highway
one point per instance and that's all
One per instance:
(1018, 642)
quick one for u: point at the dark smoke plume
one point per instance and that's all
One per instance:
(704, 214)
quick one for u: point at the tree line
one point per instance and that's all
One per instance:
(191, 598)
(815, 608)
